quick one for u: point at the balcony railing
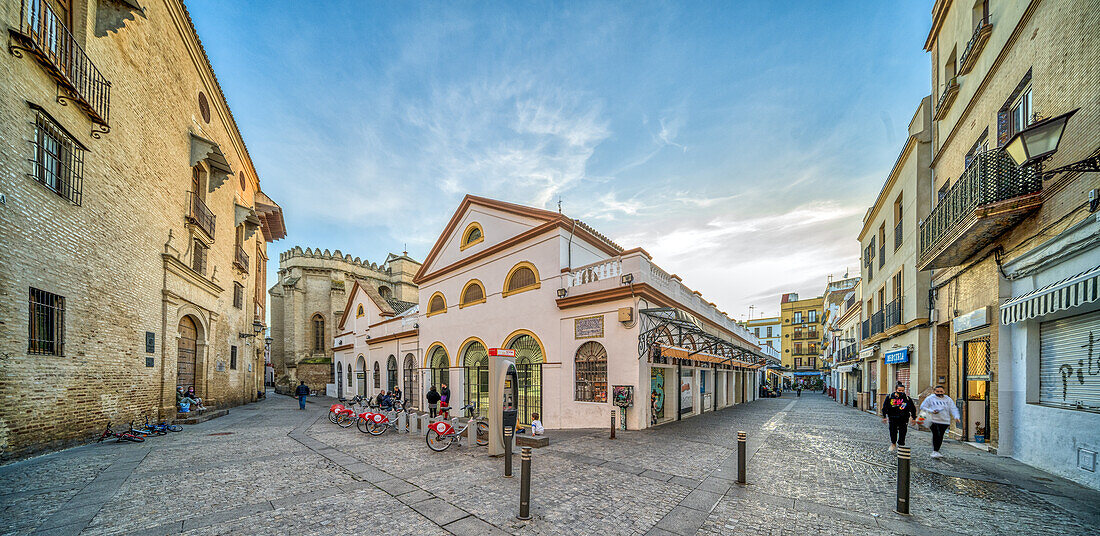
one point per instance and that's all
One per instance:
(897, 236)
(200, 215)
(597, 271)
(882, 253)
(892, 314)
(950, 90)
(974, 48)
(865, 329)
(846, 353)
(876, 323)
(44, 35)
(240, 258)
(991, 178)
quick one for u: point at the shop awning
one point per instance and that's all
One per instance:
(684, 354)
(1068, 293)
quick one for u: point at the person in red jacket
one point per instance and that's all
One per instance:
(898, 408)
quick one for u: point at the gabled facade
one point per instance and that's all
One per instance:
(583, 315)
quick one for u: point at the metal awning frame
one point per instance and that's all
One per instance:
(681, 327)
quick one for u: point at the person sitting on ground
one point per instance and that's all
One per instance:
(536, 425)
(182, 399)
(195, 400)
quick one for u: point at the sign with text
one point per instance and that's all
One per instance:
(150, 342)
(894, 357)
(589, 327)
(502, 352)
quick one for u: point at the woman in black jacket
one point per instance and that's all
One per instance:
(898, 408)
(433, 401)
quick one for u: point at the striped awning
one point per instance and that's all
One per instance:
(1070, 292)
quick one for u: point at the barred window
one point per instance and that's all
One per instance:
(47, 323)
(437, 304)
(473, 293)
(591, 368)
(233, 357)
(238, 295)
(377, 376)
(58, 159)
(522, 278)
(198, 257)
(318, 334)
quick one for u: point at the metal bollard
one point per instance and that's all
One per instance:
(612, 424)
(741, 457)
(903, 480)
(507, 452)
(525, 484)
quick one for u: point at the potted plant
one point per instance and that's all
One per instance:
(979, 432)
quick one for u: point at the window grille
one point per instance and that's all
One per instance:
(475, 235)
(391, 373)
(437, 304)
(521, 278)
(238, 295)
(58, 160)
(350, 377)
(591, 370)
(233, 357)
(46, 324)
(377, 376)
(318, 334)
(198, 257)
(473, 293)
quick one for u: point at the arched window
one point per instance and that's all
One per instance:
(437, 304)
(439, 363)
(522, 277)
(361, 375)
(410, 381)
(475, 359)
(473, 293)
(349, 375)
(391, 373)
(318, 334)
(385, 292)
(377, 376)
(472, 235)
(529, 358)
(591, 369)
(359, 311)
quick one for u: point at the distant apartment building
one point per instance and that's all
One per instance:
(802, 335)
(842, 324)
(837, 294)
(894, 332)
(1011, 240)
(769, 330)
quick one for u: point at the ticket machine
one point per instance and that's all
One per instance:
(503, 397)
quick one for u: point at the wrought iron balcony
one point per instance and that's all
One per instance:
(892, 314)
(200, 215)
(974, 48)
(897, 236)
(877, 323)
(240, 258)
(946, 98)
(44, 35)
(992, 195)
(865, 329)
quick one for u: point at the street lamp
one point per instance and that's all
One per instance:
(1039, 142)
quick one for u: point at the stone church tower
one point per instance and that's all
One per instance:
(308, 301)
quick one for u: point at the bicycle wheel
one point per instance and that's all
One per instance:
(376, 428)
(482, 433)
(437, 442)
(362, 425)
(345, 420)
(127, 436)
(174, 428)
(332, 417)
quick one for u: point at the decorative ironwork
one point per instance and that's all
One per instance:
(975, 45)
(897, 236)
(200, 215)
(591, 372)
(57, 160)
(47, 323)
(673, 327)
(992, 177)
(44, 36)
(892, 314)
(947, 97)
(240, 258)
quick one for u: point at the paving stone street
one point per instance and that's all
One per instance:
(814, 468)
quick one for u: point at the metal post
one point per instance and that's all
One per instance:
(741, 457)
(525, 484)
(507, 452)
(903, 480)
(612, 424)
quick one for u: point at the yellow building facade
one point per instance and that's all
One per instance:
(802, 334)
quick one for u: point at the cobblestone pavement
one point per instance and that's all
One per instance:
(814, 468)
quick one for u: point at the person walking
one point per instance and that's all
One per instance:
(897, 409)
(941, 411)
(799, 389)
(433, 401)
(302, 392)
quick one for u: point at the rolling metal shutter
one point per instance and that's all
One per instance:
(1069, 362)
(902, 375)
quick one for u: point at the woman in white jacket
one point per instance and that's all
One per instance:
(941, 411)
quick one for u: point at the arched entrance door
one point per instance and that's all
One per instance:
(439, 364)
(410, 382)
(475, 361)
(339, 380)
(391, 373)
(529, 361)
(187, 353)
(361, 376)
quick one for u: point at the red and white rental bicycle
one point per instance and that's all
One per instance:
(442, 434)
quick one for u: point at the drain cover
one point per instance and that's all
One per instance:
(220, 433)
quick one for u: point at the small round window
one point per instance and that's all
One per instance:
(204, 107)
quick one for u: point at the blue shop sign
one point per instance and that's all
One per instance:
(807, 374)
(897, 356)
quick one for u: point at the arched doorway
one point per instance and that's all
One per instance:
(439, 364)
(475, 360)
(391, 373)
(187, 353)
(339, 380)
(410, 382)
(361, 376)
(529, 359)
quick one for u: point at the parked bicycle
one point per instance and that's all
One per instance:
(120, 436)
(336, 410)
(442, 434)
(377, 423)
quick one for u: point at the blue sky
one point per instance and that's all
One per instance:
(740, 143)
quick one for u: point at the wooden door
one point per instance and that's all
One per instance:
(187, 352)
